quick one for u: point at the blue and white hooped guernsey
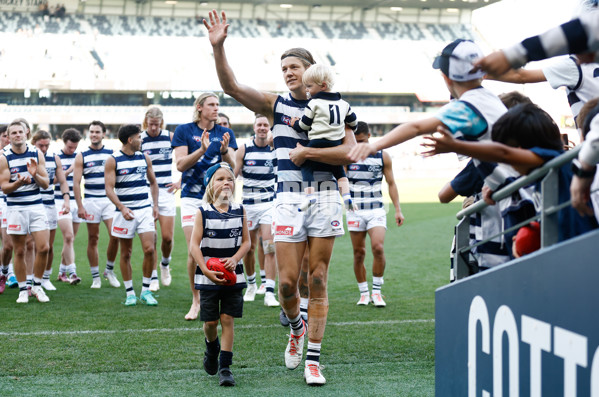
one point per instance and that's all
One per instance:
(161, 154)
(258, 174)
(223, 233)
(131, 183)
(48, 194)
(67, 160)
(27, 195)
(94, 161)
(290, 188)
(365, 180)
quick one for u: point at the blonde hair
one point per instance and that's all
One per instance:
(200, 102)
(39, 135)
(319, 74)
(24, 123)
(209, 196)
(154, 113)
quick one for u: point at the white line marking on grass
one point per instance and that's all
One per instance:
(199, 329)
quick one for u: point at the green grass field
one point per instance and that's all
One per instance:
(86, 342)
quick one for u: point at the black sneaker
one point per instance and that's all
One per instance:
(283, 319)
(225, 377)
(210, 364)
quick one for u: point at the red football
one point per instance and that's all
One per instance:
(215, 265)
(528, 238)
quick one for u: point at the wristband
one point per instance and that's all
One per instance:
(65, 193)
(580, 172)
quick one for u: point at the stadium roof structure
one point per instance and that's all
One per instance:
(370, 4)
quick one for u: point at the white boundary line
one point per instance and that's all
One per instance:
(199, 329)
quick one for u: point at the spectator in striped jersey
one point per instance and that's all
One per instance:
(95, 207)
(255, 161)
(156, 143)
(365, 179)
(41, 140)
(129, 182)
(22, 174)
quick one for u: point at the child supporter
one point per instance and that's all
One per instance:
(324, 121)
(525, 137)
(220, 231)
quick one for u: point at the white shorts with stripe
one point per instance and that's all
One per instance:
(362, 220)
(143, 222)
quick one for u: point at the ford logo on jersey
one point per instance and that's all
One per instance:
(354, 167)
(250, 162)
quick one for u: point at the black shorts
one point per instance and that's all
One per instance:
(213, 303)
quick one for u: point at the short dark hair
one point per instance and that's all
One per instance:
(126, 131)
(362, 128)
(513, 98)
(3, 128)
(101, 124)
(527, 126)
(39, 135)
(72, 135)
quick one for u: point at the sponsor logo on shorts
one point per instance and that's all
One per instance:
(381, 219)
(353, 223)
(189, 218)
(250, 223)
(89, 217)
(284, 231)
(250, 162)
(120, 230)
(354, 167)
(335, 223)
(14, 228)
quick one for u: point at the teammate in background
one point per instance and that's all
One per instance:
(68, 222)
(156, 143)
(96, 207)
(293, 230)
(22, 174)
(365, 179)
(128, 174)
(216, 221)
(324, 120)
(7, 276)
(199, 145)
(255, 161)
(41, 140)
(223, 121)
(470, 117)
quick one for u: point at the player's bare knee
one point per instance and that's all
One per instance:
(378, 249)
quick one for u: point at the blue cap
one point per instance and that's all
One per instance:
(210, 171)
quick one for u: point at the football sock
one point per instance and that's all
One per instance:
(377, 283)
(263, 276)
(304, 308)
(270, 286)
(165, 261)
(47, 274)
(226, 359)
(5, 269)
(145, 284)
(37, 282)
(129, 287)
(313, 353)
(363, 287)
(62, 268)
(154, 275)
(252, 278)
(22, 286)
(109, 266)
(297, 327)
(95, 271)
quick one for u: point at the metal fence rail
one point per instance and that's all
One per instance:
(548, 213)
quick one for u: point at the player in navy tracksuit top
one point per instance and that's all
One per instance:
(219, 231)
